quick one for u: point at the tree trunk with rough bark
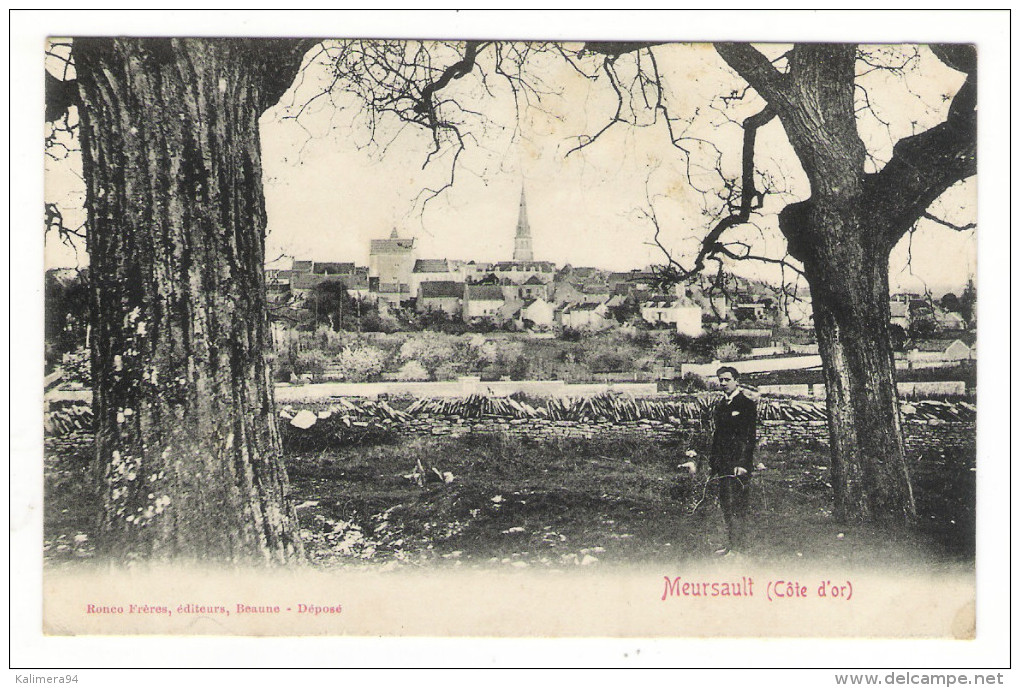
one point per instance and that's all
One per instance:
(850, 299)
(843, 234)
(186, 431)
(845, 251)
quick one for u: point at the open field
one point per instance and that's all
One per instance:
(496, 501)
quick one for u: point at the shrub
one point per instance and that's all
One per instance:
(326, 339)
(77, 366)
(431, 349)
(505, 353)
(373, 321)
(669, 353)
(332, 433)
(700, 348)
(482, 325)
(450, 370)
(645, 339)
(520, 368)
(281, 364)
(412, 371)
(310, 361)
(569, 334)
(727, 351)
(361, 364)
(611, 354)
(570, 371)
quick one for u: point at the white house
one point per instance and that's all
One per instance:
(533, 288)
(538, 311)
(685, 316)
(470, 271)
(947, 320)
(390, 262)
(579, 316)
(940, 350)
(519, 271)
(443, 296)
(959, 351)
(899, 314)
(482, 301)
(431, 270)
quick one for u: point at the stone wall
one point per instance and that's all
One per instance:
(542, 429)
(771, 433)
(906, 389)
(916, 434)
(944, 435)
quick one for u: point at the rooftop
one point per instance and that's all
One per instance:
(483, 292)
(333, 268)
(391, 245)
(442, 289)
(431, 265)
(581, 307)
(525, 265)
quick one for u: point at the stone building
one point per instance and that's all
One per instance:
(482, 301)
(446, 296)
(390, 266)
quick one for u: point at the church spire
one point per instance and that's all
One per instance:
(522, 242)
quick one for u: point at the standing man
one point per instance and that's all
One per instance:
(736, 421)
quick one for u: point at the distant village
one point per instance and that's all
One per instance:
(411, 317)
(529, 294)
(525, 294)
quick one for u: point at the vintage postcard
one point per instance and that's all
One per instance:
(497, 338)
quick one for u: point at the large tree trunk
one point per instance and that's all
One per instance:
(186, 433)
(844, 242)
(849, 282)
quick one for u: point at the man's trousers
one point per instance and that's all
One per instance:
(734, 493)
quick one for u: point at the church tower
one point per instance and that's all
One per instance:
(522, 242)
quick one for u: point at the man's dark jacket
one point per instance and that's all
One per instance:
(735, 435)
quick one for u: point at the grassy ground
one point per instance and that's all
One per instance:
(553, 504)
(483, 501)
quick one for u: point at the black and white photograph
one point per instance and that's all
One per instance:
(599, 335)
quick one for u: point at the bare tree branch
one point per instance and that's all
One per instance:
(750, 199)
(615, 48)
(755, 69)
(950, 225)
(924, 165)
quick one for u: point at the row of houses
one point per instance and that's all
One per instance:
(545, 306)
(525, 290)
(907, 310)
(522, 290)
(536, 301)
(537, 294)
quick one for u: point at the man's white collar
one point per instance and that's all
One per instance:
(731, 397)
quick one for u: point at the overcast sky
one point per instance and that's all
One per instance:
(332, 183)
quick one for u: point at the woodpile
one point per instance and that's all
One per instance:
(622, 408)
(946, 411)
(68, 418)
(358, 413)
(342, 422)
(475, 406)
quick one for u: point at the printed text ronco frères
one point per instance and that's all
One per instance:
(194, 609)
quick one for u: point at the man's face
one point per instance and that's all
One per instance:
(728, 382)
